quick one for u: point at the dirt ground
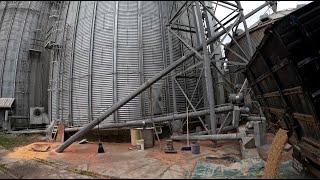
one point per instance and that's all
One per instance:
(120, 160)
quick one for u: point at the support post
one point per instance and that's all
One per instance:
(141, 72)
(94, 13)
(214, 137)
(243, 19)
(114, 62)
(72, 66)
(176, 125)
(210, 23)
(207, 72)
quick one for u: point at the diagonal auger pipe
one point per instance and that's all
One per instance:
(174, 116)
(143, 87)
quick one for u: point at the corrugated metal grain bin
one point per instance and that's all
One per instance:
(283, 74)
(23, 75)
(111, 48)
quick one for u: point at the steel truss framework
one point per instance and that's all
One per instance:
(203, 42)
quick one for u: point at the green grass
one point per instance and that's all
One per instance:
(3, 168)
(86, 173)
(77, 171)
(46, 162)
(9, 141)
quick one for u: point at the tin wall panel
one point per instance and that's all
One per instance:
(19, 21)
(102, 74)
(152, 52)
(116, 59)
(81, 64)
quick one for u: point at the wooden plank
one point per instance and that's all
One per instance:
(60, 133)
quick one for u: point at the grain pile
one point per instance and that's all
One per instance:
(274, 155)
(27, 153)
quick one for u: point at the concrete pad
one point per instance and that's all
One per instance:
(34, 170)
(174, 172)
(153, 169)
(118, 161)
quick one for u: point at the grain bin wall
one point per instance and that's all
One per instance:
(22, 72)
(110, 48)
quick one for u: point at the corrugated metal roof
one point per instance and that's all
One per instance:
(6, 102)
(273, 16)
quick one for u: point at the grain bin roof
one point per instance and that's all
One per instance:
(6, 102)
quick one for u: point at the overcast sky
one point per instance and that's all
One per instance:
(282, 5)
(248, 6)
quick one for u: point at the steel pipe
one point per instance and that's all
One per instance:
(215, 137)
(137, 123)
(224, 129)
(256, 118)
(142, 122)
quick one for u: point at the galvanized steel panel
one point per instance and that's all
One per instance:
(19, 20)
(116, 58)
(81, 64)
(6, 102)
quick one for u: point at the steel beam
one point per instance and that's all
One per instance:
(229, 3)
(184, 30)
(224, 122)
(235, 53)
(243, 19)
(193, 108)
(141, 72)
(224, 17)
(221, 25)
(207, 71)
(189, 68)
(176, 125)
(185, 43)
(197, 84)
(179, 12)
(59, 61)
(224, 5)
(267, 3)
(164, 56)
(219, 89)
(94, 13)
(72, 64)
